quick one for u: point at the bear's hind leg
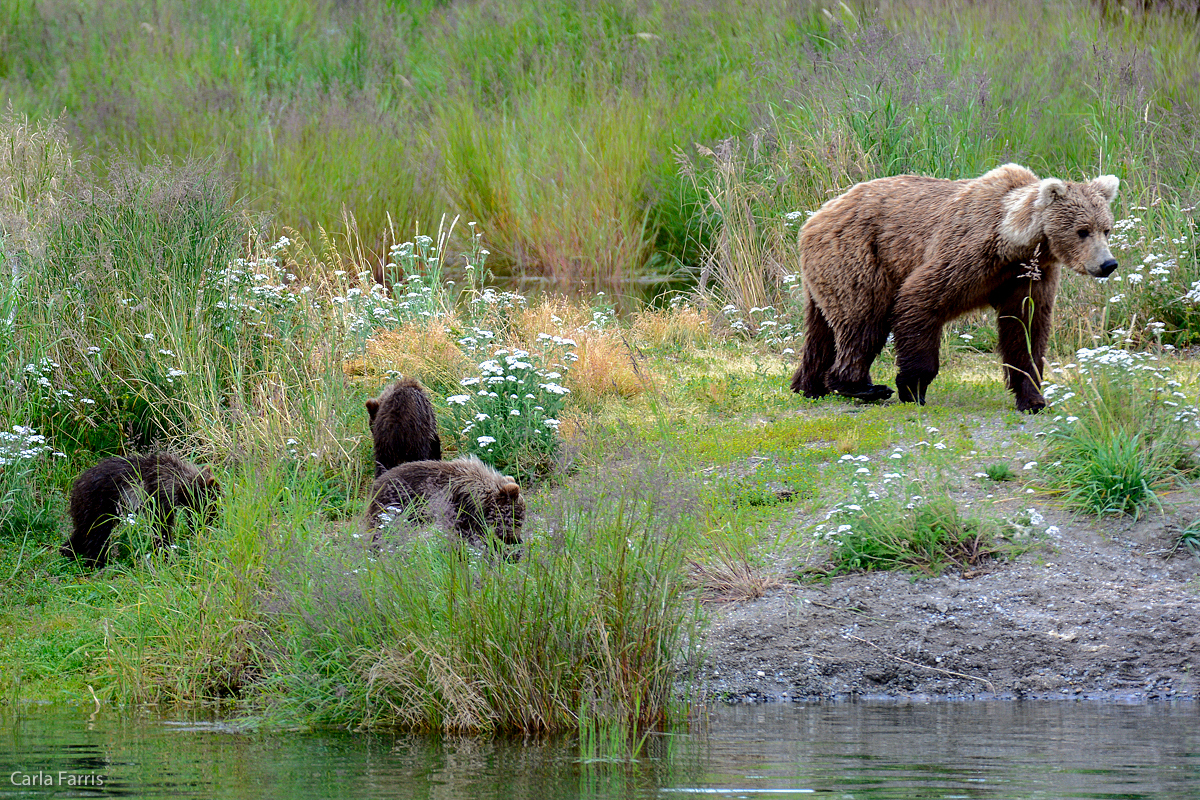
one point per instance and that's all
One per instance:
(89, 541)
(809, 378)
(857, 348)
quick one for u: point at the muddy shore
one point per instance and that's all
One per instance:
(1100, 609)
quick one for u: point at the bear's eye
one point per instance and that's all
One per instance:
(1107, 231)
(1083, 233)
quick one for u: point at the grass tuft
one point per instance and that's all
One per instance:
(1122, 435)
(926, 536)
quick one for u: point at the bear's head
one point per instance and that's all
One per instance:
(1076, 222)
(505, 510)
(200, 492)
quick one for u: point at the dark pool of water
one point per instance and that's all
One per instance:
(844, 750)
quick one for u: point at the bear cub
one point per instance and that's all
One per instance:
(467, 495)
(403, 426)
(117, 485)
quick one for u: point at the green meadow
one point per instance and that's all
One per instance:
(227, 225)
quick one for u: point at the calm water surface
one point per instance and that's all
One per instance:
(844, 750)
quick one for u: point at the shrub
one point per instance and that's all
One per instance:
(510, 415)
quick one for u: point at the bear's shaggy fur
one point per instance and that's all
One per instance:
(403, 426)
(117, 486)
(470, 496)
(908, 254)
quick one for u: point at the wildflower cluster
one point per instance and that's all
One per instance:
(414, 271)
(1158, 286)
(895, 521)
(489, 305)
(870, 484)
(1136, 378)
(796, 219)
(1123, 429)
(258, 302)
(22, 444)
(255, 301)
(253, 289)
(21, 448)
(358, 312)
(42, 382)
(765, 324)
(509, 412)
(603, 313)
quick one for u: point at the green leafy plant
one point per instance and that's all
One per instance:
(999, 472)
(1189, 539)
(928, 538)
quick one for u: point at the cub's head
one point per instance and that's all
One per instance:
(1074, 219)
(200, 492)
(505, 511)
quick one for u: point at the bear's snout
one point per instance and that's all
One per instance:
(1106, 269)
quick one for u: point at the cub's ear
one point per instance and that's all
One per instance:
(372, 407)
(1107, 185)
(510, 490)
(1049, 190)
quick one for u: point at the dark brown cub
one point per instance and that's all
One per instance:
(118, 485)
(403, 426)
(475, 498)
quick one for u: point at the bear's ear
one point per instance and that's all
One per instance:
(510, 489)
(1107, 186)
(1049, 190)
(372, 407)
(208, 480)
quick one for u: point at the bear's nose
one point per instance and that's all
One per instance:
(1106, 268)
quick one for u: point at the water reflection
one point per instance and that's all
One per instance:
(850, 750)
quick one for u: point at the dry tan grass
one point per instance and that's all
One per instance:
(678, 328)
(730, 577)
(607, 365)
(424, 349)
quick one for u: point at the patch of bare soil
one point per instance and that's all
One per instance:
(1096, 611)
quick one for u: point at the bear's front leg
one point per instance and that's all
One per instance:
(913, 380)
(1023, 319)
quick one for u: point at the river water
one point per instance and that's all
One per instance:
(835, 750)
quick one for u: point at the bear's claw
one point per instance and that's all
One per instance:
(872, 393)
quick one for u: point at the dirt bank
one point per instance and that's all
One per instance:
(1096, 611)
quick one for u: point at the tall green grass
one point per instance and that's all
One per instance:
(590, 625)
(559, 126)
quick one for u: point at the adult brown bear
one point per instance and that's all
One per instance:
(908, 254)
